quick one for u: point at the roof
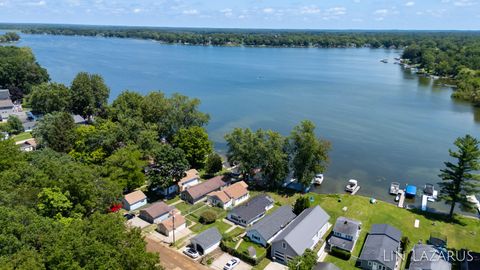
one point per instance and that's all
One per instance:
(190, 174)
(168, 223)
(135, 197)
(207, 238)
(4, 94)
(340, 242)
(222, 196)
(382, 239)
(347, 226)
(300, 231)
(236, 190)
(411, 190)
(272, 224)
(206, 187)
(254, 207)
(78, 119)
(6, 103)
(325, 266)
(427, 257)
(158, 209)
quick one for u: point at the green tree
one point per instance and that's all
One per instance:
(460, 178)
(301, 204)
(305, 262)
(49, 97)
(14, 125)
(127, 105)
(56, 131)
(169, 166)
(309, 154)
(213, 164)
(195, 144)
(275, 158)
(10, 155)
(89, 94)
(125, 166)
(53, 203)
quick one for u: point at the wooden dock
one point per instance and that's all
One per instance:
(402, 198)
(356, 190)
(424, 202)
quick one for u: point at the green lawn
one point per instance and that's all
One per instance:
(22, 136)
(263, 263)
(187, 208)
(221, 226)
(174, 199)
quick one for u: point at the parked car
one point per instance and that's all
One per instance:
(190, 252)
(231, 264)
(128, 216)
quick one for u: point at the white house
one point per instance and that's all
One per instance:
(191, 178)
(206, 241)
(134, 200)
(175, 223)
(230, 196)
(156, 212)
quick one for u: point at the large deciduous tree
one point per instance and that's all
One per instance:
(49, 97)
(125, 166)
(213, 164)
(461, 178)
(195, 144)
(309, 154)
(56, 131)
(168, 166)
(14, 125)
(89, 94)
(305, 262)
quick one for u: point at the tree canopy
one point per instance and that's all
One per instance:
(89, 94)
(195, 144)
(49, 97)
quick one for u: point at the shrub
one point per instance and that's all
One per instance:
(208, 217)
(340, 253)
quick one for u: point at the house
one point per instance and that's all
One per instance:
(304, 232)
(230, 196)
(325, 266)
(199, 192)
(175, 223)
(191, 178)
(250, 212)
(6, 104)
(156, 212)
(469, 260)
(79, 120)
(428, 257)
(206, 241)
(168, 191)
(264, 231)
(134, 200)
(381, 249)
(27, 145)
(345, 234)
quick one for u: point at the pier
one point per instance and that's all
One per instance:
(356, 190)
(401, 201)
(424, 202)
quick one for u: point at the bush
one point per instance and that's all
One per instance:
(208, 217)
(340, 253)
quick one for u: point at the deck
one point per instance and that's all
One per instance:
(402, 198)
(424, 202)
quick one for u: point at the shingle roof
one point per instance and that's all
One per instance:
(168, 223)
(427, 257)
(346, 226)
(135, 197)
(272, 224)
(4, 94)
(206, 187)
(254, 207)
(4, 103)
(236, 190)
(222, 196)
(190, 174)
(381, 245)
(208, 238)
(340, 242)
(325, 266)
(157, 209)
(300, 231)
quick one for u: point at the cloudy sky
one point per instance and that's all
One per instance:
(309, 14)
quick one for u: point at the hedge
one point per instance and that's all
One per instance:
(340, 253)
(242, 256)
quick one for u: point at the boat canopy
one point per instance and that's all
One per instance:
(411, 190)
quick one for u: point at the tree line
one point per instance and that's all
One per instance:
(9, 37)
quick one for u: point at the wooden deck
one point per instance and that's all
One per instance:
(402, 198)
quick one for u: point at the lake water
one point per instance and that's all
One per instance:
(385, 124)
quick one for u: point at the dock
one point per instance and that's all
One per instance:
(356, 190)
(424, 202)
(402, 198)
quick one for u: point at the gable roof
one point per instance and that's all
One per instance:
(157, 209)
(300, 231)
(208, 238)
(272, 224)
(4, 103)
(4, 94)
(346, 226)
(202, 189)
(168, 223)
(222, 196)
(236, 190)
(254, 207)
(135, 197)
(382, 239)
(190, 174)
(428, 257)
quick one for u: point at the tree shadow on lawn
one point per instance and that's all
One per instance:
(437, 216)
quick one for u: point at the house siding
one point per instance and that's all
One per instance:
(134, 206)
(282, 252)
(364, 264)
(190, 183)
(255, 237)
(239, 221)
(156, 220)
(161, 229)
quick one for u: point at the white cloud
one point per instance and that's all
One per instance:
(190, 12)
(381, 12)
(336, 11)
(137, 10)
(464, 3)
(309, 10)
(410, 3)
(268, 10)
(37, 3)
(227, 12)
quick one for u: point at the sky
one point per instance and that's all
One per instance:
(278, 14)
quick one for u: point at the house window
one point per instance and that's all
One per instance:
(284, 245)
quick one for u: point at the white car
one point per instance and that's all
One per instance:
(231, 264)
(190, 252)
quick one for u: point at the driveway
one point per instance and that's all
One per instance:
(171, 259)
(219, 263)
(275, 266)
(165, 239)
(137, 222)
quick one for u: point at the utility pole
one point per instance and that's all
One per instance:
(173, 222)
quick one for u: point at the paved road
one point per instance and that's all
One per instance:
(172, 260)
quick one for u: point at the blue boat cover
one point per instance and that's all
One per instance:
(411, 190)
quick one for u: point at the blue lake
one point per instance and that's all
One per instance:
(385, 124)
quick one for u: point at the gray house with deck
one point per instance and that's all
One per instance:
(381, 249)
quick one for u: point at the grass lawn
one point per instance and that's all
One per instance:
(22, 136)
(174, 199)
(244, 248)
(221, 226)
(263, 263)
(187, 208)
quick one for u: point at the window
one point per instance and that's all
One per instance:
(284, 245)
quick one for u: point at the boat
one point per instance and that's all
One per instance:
(352, 185)
(385, 60)
(397, 198)
(394, 188)
(410, 191)
(472, 199)
(430, 191)
(318, 179)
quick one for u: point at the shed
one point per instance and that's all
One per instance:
(134, 200)
(156, 212)
(206, 241)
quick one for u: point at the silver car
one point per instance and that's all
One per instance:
(231, 264)
(190, 252)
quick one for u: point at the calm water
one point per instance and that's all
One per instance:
(385, 124)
